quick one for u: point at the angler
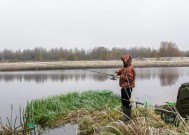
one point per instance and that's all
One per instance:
(127, 83)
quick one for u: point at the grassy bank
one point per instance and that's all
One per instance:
(98, 113)
(95, 112)
(143, 62)
(48, 111)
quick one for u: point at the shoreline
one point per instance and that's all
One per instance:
(93, 112)
(137, 63)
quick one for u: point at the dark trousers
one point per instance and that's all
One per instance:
(125, 97)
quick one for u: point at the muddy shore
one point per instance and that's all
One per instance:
(145, 62)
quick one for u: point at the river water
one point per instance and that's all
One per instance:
(158, 85)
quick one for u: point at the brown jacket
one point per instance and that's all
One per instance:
(126, 73)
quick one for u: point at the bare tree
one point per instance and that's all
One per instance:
(169, 49)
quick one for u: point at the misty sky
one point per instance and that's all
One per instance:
(90, 23)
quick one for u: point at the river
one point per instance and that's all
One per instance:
(158, 85)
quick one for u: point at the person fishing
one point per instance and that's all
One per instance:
(127, 82)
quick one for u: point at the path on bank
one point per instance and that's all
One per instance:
(145, 62)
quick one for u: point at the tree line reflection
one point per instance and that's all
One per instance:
(167, 76)
(42, 78)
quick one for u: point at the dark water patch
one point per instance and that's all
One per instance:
(67, 129)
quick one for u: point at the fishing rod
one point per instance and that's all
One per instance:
(112, 77)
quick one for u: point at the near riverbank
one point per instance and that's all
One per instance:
(143, 62)
(94, 112)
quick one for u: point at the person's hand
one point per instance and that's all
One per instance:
(116, 75)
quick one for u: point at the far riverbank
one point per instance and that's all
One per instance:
(145, 62)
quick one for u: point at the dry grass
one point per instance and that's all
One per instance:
(107, 123)
(144, 62)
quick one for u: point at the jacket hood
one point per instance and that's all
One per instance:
(126, 59)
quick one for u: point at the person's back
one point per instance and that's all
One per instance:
(127, 83)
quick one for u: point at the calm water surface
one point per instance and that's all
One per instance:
(156, 84)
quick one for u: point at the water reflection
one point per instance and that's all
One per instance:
(67, 129)
(167, 76)
(144, 73)
(44, 76)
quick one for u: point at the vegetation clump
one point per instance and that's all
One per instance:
(47, 111)
(99, 113)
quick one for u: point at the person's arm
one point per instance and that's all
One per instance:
(118, 72)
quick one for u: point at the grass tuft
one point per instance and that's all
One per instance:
(48, 110)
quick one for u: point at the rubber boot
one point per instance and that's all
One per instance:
(127, 113)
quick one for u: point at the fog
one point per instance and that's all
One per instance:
(89, 23)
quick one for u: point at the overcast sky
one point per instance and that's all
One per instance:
(91, 23)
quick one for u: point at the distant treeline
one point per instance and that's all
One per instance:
(166, 49)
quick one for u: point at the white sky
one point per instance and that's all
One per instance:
(90, 23)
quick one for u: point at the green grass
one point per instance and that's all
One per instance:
(97, 112)
(46, 111)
